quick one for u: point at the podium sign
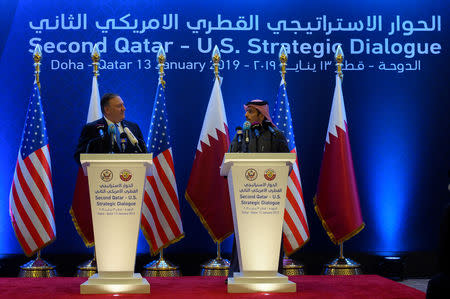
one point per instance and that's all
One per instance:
(257, 184)
(116, 184)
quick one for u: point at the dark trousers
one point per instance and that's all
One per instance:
(234, 263)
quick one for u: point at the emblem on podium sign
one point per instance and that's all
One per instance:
(270, 174)
(251, 174)
(126, 175)
(106, 175)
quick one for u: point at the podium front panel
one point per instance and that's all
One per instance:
(258, 193)
(116, 191)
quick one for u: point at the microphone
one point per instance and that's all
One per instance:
(123, 140)
(132, 138)
(101, 136)
(100, 128)
(239, 134)
(246, 129)
(111, 132)
(256, 126)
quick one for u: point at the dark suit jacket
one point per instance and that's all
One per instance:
(267, 142)
(91, 141)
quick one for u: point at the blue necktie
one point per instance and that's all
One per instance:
(117, 132)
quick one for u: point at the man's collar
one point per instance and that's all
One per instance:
(108, 122)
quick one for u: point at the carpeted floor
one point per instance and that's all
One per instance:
(342, 287)
(420, 284)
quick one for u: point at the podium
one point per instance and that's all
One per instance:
(257, 184)
(116, 184)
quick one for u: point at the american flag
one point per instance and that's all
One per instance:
(295, 226)
(31, 197)
(161, 221)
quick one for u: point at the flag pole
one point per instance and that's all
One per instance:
(290, 267)
(37, 267)
(341, 265)
(283, 61)
(218, 266)
(161, 267)
(89, 268)
(37, 56)
(216, 60)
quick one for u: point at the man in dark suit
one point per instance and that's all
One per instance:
(108, 134)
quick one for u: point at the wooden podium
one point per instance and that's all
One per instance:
(116, 184)
(257, 184)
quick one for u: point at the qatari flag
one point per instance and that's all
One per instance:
(81, 204)
(337, 201)
(207, 191)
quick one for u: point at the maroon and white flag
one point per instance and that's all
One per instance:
(337, 201)
(207, 190)
(81, 204)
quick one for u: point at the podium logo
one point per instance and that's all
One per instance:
(106, 175)
(269, 174)
(126, 175)
(251, 174)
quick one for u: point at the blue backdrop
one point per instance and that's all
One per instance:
(396, 94)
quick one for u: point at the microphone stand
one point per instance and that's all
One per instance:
(112, 142)
(92, 141)
(138, 147)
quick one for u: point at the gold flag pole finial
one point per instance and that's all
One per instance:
(37, 56)
(95, 55)
(339, 59)
(216, 59)
(161, 57)
(283, 61)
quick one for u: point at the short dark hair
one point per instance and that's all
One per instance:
(105, 100)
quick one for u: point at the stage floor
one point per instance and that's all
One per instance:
(308, 286)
